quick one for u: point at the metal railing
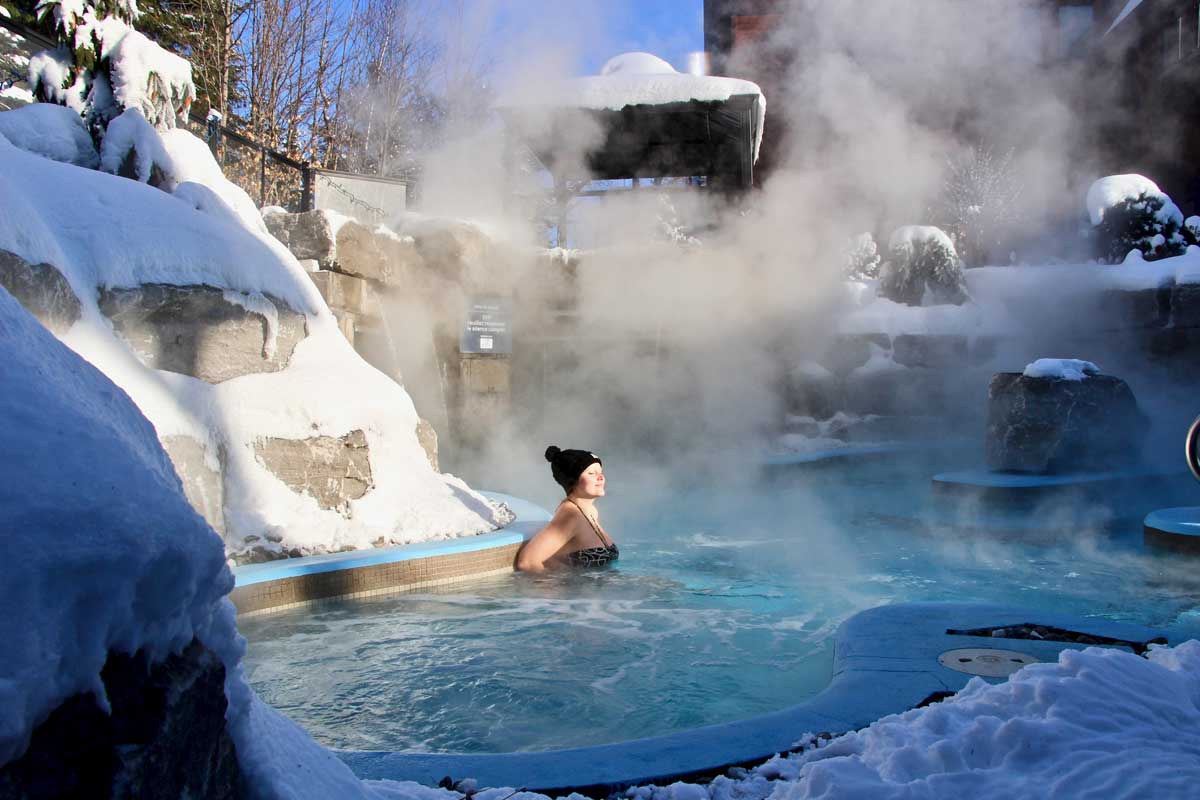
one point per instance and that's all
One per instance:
(268, 176)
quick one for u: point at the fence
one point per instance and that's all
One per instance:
(268, 176)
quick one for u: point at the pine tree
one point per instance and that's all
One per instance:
(103, 66)
(922, 260)
(1137, 223)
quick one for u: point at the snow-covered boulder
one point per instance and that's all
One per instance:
(934, 351)
(462, 252)
(1129, 212)
(101, 558)
(1061, 416)
(52, 131)
(299, 379)
(922, 268)
(810, 390)
(203, 332)
(376, 253)
(308, 235)
(42, 289)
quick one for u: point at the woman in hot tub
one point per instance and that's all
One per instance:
(574, 536)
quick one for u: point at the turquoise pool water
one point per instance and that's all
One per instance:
(723, 606)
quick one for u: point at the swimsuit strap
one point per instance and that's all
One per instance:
(604, 541)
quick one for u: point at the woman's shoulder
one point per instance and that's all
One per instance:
(570, 514)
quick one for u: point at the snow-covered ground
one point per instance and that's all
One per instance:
(106, 232)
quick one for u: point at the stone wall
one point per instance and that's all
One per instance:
(401, 298)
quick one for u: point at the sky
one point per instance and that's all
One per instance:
(593, 31)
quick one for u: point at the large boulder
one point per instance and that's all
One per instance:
(378, 254)
(208, 333)
(309, 234)
(332, 470)
(847, 352)
(935, 351)
(164, 736)
(810, 390)
(42, 289)
(202, 484)
(1185, 305)
(1053, 425)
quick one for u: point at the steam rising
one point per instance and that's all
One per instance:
(679, 352)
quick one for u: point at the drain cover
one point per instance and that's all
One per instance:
(985, 661)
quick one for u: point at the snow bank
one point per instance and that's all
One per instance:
(101, 553)
(1105, 193)
(1000, 294)
(1187, 266)
(99, 549)
(52, 131)
(1071, 369)
(1098, 723)
(633, 79)
(102, 231)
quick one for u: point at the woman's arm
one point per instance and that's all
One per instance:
(546, 543)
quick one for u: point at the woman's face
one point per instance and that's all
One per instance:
(591, 482)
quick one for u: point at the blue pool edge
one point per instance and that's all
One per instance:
(529, 519)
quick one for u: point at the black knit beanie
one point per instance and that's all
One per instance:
(568, 465)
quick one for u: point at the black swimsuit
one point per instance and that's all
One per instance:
(593, 556)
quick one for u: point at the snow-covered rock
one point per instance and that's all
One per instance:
(100, 551)
(119, 234)
(1069, 369)
(1052, 422)
(52, 131)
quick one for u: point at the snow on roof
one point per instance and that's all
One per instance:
(1071, 369)
(1125, 12)
(1106, 192)
(634, 79)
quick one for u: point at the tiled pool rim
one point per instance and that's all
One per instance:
(885, 662)
(291, 582)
